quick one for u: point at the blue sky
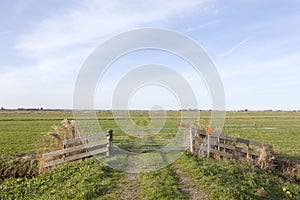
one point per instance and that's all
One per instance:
(255, 46)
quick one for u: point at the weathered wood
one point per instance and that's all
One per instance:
(226, 155)
(234, 139)
(78, 148)
(191, 140)
(84, 138)
(239, 149)
(75, 148)
(75, 157)
(229, 147)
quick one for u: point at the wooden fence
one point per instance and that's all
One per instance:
(223, 146)
(79, 148)
(201, 144)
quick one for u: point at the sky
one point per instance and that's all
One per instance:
(255, 46)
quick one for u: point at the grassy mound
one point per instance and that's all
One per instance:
(17, 167)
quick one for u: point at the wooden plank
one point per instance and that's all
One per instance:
(221, 153)
(230, 156)
(198, 147)
(88, 137)
(227, 146)
(86, 154)
(54, 162)
(240, 140)
(234, 139)
(76, 157)
(239, 149)
(72, 141)
(226, 155)
(199, 139)
(75, 148)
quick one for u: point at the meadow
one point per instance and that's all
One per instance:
(20, 131)
(187, 178)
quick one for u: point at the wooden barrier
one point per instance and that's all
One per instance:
(79, 148)
(223, 146)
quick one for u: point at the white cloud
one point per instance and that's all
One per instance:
(57, 46)
(190, 29)
(234, 48)
(92, 21)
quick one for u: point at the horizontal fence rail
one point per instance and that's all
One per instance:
(139, 140)
(223, 146)
(79, 148)
(151, 139)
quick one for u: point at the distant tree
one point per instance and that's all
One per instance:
(42, 108)
(2, 108)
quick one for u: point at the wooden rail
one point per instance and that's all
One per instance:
(223, 146)
(79, 148)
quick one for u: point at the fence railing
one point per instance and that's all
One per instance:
(79, 148)
(223, 146)
(197, 141)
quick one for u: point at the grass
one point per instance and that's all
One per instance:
(90, 179)
(79, 180)
(235, 180)
(20, 133)
(161, 184)
(280, 129)
(21, 130)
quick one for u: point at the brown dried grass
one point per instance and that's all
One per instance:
(53, 140)
(289, 169)
(266, 159)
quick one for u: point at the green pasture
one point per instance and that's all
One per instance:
(186, 178)
(20, 131)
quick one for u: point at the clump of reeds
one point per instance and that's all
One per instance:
(289, 169)
(53, 140)
(266, 159)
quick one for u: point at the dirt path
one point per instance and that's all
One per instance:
(129, 187)
(187, 185)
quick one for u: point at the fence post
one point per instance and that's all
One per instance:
(219, 149)
(191, 141)
(208, 145)
(110, 140)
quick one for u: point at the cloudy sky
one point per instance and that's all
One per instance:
(255, 46)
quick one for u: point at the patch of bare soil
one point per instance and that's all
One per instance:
(188, 187)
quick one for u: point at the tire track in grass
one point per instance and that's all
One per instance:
(187, 185)
(127, 188)
(161, 184)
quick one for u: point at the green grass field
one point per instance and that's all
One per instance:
(187, 178)
(20, 131)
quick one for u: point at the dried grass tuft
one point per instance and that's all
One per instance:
(53, 140)
(266, 159)
(289, 169)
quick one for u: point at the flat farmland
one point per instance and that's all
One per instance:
(188, 177)
(20, 131)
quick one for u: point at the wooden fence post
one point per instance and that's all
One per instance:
(219, 149)
(191, 141)
(110, 140)
(208, 145)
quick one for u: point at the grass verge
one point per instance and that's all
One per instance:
(78, 180)
(225, 179)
